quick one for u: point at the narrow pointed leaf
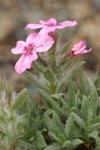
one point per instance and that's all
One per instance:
(57, 121)
(40, 140)
(53, 147)
(20, 99)
(33, 81)
(49, 75)
(84, 108)
(38, 66)
(66, 48)
(71, 95)
(78, 120)
(70, 73)
(76, 142)
(96, 126)
(67, 144)
(94, 134)
(93, 99)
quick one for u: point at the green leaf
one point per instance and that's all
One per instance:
(71, 95)
(97, 82)
(54, 130)
(77, 100)
(78, 120)
(57, 121)
(38, 66)
(84, 84)
(76, 142)
(44, 99)
(91, 85)
(66, 64)
(65, 105)
(49, 75)
(72, 144)
(57, 108)
(94, 134)
(33, 81)
(31, 104)
(20, 99)
(69, 75)
(57, 96)
(53, 147)
(84, 108)
(67, 144)
(69, 127)
(96, 126)
(72, 130)
(66, 48)
(95, 120)
(98, 91)
(24, 144)
(97, 143)
(49, 123)
(87, 85)
(40, 140)
(92, 109)
(53, 136)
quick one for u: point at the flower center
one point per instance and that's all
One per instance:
(29, 49)
(50, 25)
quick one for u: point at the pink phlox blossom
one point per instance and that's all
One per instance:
(79, 49)
(34, 43)
(51, 25)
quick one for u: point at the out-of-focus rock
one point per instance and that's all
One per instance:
(89, 31)
(6, 26)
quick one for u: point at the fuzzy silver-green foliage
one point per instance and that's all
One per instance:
(68, 118)
(11, 122)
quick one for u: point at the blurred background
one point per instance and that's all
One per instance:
(15, 14)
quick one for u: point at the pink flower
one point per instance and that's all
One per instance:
(79, 49)
(51, 25)
(34, 43)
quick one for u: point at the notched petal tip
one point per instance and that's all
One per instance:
(19, 70)
(18, 49)
(89, 50)
(75, 22)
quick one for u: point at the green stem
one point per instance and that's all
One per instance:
(52, 56)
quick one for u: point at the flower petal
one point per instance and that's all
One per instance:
(80, 45)
(19, 47)
(50, 21)
(25, 62)
(33, 26)
(43, 22)
(66, 24)
(31, 38)
(53, 21)
(19, 67)
(33, 57)
(83, 52)
(44, 42)
(46, 30)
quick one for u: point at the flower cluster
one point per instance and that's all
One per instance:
(34, 43)
(41, 42)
